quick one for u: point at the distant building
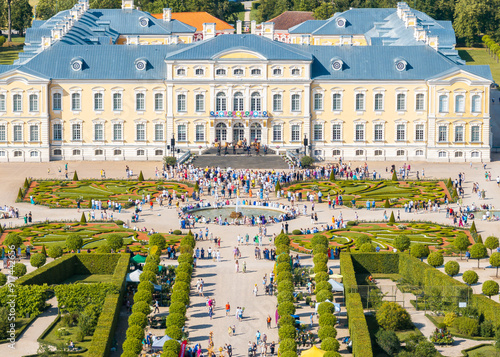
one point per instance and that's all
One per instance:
(287, 20)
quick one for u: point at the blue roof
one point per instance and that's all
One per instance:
(271, 50)
(308, 26)
(358, 21)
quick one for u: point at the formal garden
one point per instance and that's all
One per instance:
(385, 193)
(66, 194)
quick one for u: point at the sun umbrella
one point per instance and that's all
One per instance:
(313, 352)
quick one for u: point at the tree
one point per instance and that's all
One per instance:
(2, 38)
(461, 242)
(452, 268)
(470, 277)
(306, 161)
(490, 288)
(324, 11)
(392, 219)
(19, 270)
(83, 219)
(419, 250)
(158, 240)
(388, 341)
(55, 251)
(13, 240)
(21, 16)
(394, 176)
(37, 260)
(332, 176)
(387, 204)
(473, 18)
(115, 241)
(44, 251)
(391, 316)
(402, 242)
(491, 243)
(75, 176)
(478, 251)
(3, 279)
(435, 259)
(495, 261)
(277, 188)
(47, 8)
(141, 177)
(74, 242)
(367, 248)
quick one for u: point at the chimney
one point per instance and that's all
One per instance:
(268, 30)
(56, 34)
(167, 14)
(208, 30)
(128, 4)
(238, 27)
(46, 42)
(253, 26)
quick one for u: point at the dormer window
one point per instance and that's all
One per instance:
(181, 71)
(256, 72)
(337, 65)
(238, 72)
(295, 72)
(400, 65)
(77, 64)
(277, 72)
(220, 72)
(144, 22)
(199, 72)
(140, 64)
(341, 22)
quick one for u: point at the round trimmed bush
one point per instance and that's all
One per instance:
(320, 258)
(286, 320)
(321, 276)
(325, 307)
(138, 319)
(330, 344)
(174, 332)
(452, 268)
(176, 320)
(283, 258)
(319, 239)
(188, 240)
(320, 249)
(136, 332)
(367, 248)
(150, 267)
(287, 331)
(283, 276)
(490, 288)
(288, 354)
(148, 276)
(284, 296)
(158, 240)
(180, 296)
(183, 276)
(282, 267)
(327, 331)
(332, 354)
(184, 267)
(320, 267)
(55, 251)
(470, 277)
(286, 308)
(142, 307)
(172, 346)
(324, 295)
(419, 250)
(185, 258)
(391, 316)
(132, 344)
(19, 270)
(181, 286)
(296, 232)
(146, 285)
(280, 249)
(177, 308)
(282, 239)
(143, 295)
(103, 249)
(323, 285)
(124, 354)
(285, 285)
(327, 319)
(186, 249)
(169, 354)
(153, 259)
(435, 259)
(288, 345)
(37, 260)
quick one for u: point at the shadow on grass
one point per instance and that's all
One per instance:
(465, 56)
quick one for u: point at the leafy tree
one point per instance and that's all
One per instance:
(391, 316)
(330, 344)
(158, 240)
(495, 261)
(2, 38)
(478, 251)
(461, 242)
(367, 248)
(55, 251)
(277, 188)
(37, 260)
(324, 11)
(491, 243)
(473, 18)
(490, 287)
(19, 270)
(332, 176)
(307, 161)
(452, 268)
(470, 277)
(74, 242)
(388, 341)
(103, 249)
(435, 259)
(402, 242)
(115, 241)
(21, 15)
(419, 250)
(13, 239)
(3, 279)
(44, 251)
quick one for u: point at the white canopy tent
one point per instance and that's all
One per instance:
(336, 286)
(134, 276)
(158, 343)
(335, 305)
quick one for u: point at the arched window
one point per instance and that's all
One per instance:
(476, 103)
(159, 152)
(295, 72)
(200, 102)
(98, 101)
(181, 102)
(98, 152)
(77, 152)
(459, 104)
(57, 152)
(199, 72)
(378, 152)
(255, 132)
(220, 72)
(277, 72)
(221, 132)
(140, 101)
(337, 102)
(221, 101)
(17, 103)
(336, 152)
(117, 101)
(360, 101)
(295, 102)
(255, 102)
(181, 72)
(256, 72)
(400, 153)
(443, 103)
(238, 72)
(2, 103)
(419, 153)
(238, 101)
(117, 152)
(401, 102)
(140, 152)
(379, 102)
(360, 152)
(419, 102)
(318, 101)
(158, 101)
(76, 102)
(33, 99)
(277, 103)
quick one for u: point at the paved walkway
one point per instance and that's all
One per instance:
(27, 344)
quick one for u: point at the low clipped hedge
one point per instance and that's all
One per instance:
(102, 339)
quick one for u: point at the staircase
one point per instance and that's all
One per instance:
(240, 160)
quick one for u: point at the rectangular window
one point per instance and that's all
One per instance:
(200, 102)
(443, 104)
(57, 101)
(295, 103)
(34, 133)
(276, 132)
(401, 102)
(117, 132)
(98, 102)
(33, 102)
(158, 132)
(140, 101)
(400, 132)
(295, 132)
(459, 104)
(3, 133)
(337, 102)
(442, 134)
(318, 132)
(476, 104)
(181, 103)
(277, 103)
(2, 103)
(459, 134)
(117, 101)
(158, 102)
(318, 101)
(75, 102)
(76, 132)
(475, 136)
(336, 132)
(17, 103)
(182, 132)
(379, 132)
(419, 102)
(140, 132)
(57, 132)
(360, 132)
(360, 101)
(379, 102)
(18, 133)
(419, 132)
(200, 133)
(98, 132)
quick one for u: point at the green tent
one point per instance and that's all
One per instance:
(139, 259)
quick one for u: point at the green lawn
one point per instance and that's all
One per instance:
(53, 339)
(9, 54)
(90, 279)
(475, 56)
(484, 351)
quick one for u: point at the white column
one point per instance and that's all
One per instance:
(170, 112)
(246, 104)
(307, 112)
(211, 98)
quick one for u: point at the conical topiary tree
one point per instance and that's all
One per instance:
(277, 188)
(44, 251)
(1, 229)
(141, 177)
(387, 204)
(83, 219)
(26, 183)
(20, 195)
(394, 176)
(75, 177)
(332, 176)
(196, 187)
(473, 228)
(391, 219)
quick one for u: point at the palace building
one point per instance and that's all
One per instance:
(367, 84)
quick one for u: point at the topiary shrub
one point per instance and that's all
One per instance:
(75, 176)
(174, 332)
(138, 319)
(306, 161)
(282, 239)
(148, 276)
(172, 346)
(392, 219)
(288, 345)
(320, 258)
(158, 240)
(330, 344)
(327, 319)
(449, 318)
(435, 259)
(319, 248)
(142, 307)
(466, 326)
(367, 248)
(181, 286)
(296, 232)
(282, 267)
(145, 286)
(136, 332)
(37, 260)
(177, 308)
(286, 308)
(324, 295)
(188, 240)
(283, 259)
(320, 267)
(282, 249)
(452, 268)
(176, 320)
(490, 288)
(141, 177)
(180, 296)
(103, 249)
(319, 239)
(143, 295)
(391, 316)
(133, 345)
(323, 285)
(470, 277)
(325, 307)
(332, 354)
(321, 276)
(286, 320)
(388, 341)
(326, 332)
(185, 258)
(19, 269)
(419, 250)
(185, 268)
(181, 276)
(287, 331)
(284, 296)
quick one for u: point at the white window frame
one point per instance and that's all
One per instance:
(382, 129)
(159, 127)
(181, 102)
(97, 131)
(180, 71)
(446, 133)
(478, 126)
(238, 68)
(363, 132)
(293, 102)
(138, 107)
(320, 101)
(277, 68)
(417, 94)
(17, 136)
(59, 130)
(382, 104)
(252, 69)
(456, 129)
(95, 93)
(73, 100)
(443, 103)
(256, 101)
(15, 107)
(34, 138)
(295, 71)
(400, 132)
(417, 139)
(199, 68)
(401, 105)
(339, 93)
(3, 101)
(197, 138)
(115, 125)
(296, 133)
(321, 126)
(140, 128)
(240, 100)
(473, 107)
(34, 107)
(184, 138)
(339, 123)
(459, 107)
(118, 100)
(201, 108)
(159, 103)
(3, 132)
(220, 101)
(80, 131)
(280, 126)
(356, 94)
(221, 69)
(280, 101)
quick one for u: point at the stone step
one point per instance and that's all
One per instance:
(241, 161)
